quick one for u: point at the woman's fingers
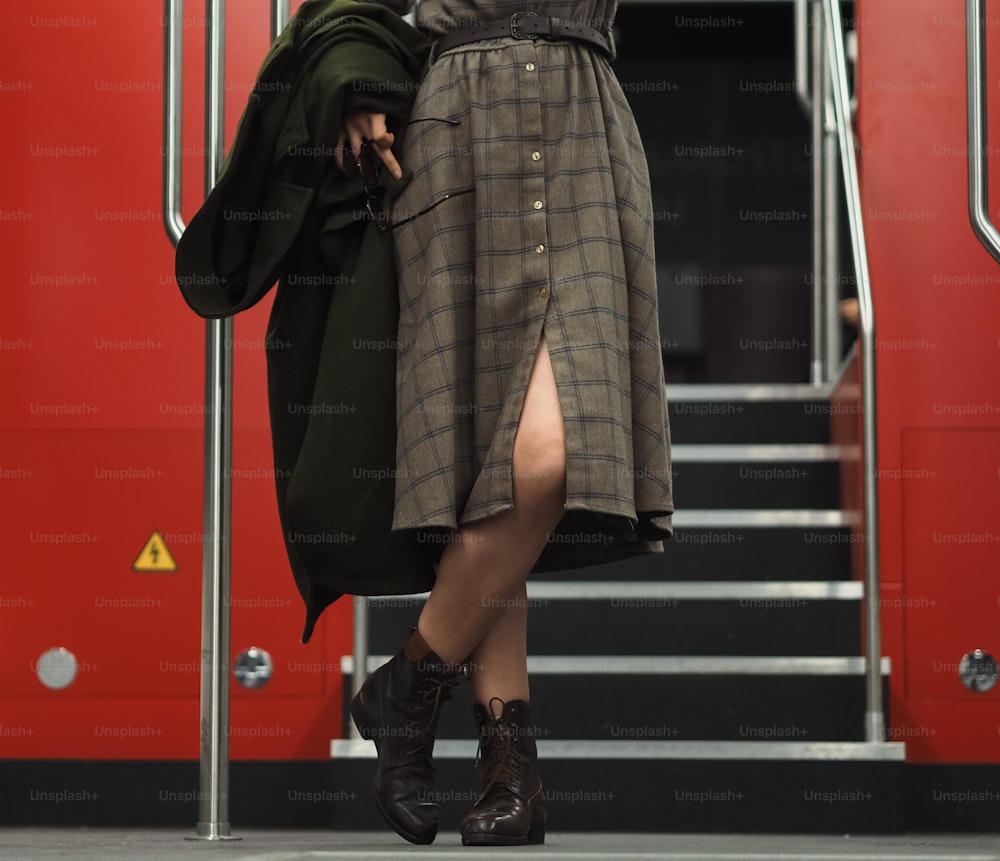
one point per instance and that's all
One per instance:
(357, 138)
(376, 126)
(351, 134)
(382, 141)
(382, 149)
(363, 126)
(358, 128)
(338, 151)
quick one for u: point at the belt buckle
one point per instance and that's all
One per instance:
(513, 25)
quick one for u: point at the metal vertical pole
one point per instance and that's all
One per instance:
(360, 646)
(819, 142)
(213, 816)
(874, 715)
(359, 642)
(831, 230)
(802, 12)
(213, 819)
(279, 17)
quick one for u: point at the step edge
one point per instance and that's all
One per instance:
(677, 665)
(747, 392)
(761, 452)
(764, 517)
(832, 751)
(817, 590)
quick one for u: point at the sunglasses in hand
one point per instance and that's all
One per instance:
(370, 168)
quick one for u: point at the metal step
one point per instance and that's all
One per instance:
(720, 518)
(792, 476)
(779, 415)
(554, 590)
(686, 700)
(749, 392)
(669, 787)
(666, 618)
(777, 485)
(780, 553)
(694, 453)
(633, 750)
(674, 665)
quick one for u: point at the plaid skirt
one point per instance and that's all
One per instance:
(529, 211)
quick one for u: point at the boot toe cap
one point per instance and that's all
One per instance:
(418, 824)
(412, 812)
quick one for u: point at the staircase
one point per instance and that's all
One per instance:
(715, 687)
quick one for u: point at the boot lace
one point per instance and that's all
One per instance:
(502, 765)
(422, 726)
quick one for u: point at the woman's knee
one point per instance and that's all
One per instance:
(539, 457)
(539, 473)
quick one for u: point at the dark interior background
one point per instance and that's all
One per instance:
(695, 75)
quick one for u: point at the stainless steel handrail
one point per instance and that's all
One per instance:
(831, 345)
(975, 63)
(173, 51)
(359, 670)
(812, 86)
(820, 131)
(836, 58)
(213, 817)
(802, 54)
(279, 17)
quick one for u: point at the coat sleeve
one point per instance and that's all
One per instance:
(239, 242)
(232, 251)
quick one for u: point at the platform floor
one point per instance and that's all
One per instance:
(91, 844)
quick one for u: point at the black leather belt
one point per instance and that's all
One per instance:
(526, 25)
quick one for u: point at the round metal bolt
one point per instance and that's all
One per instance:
(978, 670)
(56, 668)
(253, 667)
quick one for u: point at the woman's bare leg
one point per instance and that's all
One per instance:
(500, 661)
(478, 605)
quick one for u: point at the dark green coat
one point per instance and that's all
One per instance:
(282, 209)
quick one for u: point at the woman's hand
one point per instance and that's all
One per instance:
(362, 126)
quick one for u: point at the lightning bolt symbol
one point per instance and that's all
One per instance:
(154, 551)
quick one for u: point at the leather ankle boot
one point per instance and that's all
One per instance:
(398, 709)
(510, 810)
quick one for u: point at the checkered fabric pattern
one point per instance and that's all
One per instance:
(532, 213)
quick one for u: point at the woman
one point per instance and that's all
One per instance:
(532, 418)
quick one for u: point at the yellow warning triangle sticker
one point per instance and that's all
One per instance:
(154, 555)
